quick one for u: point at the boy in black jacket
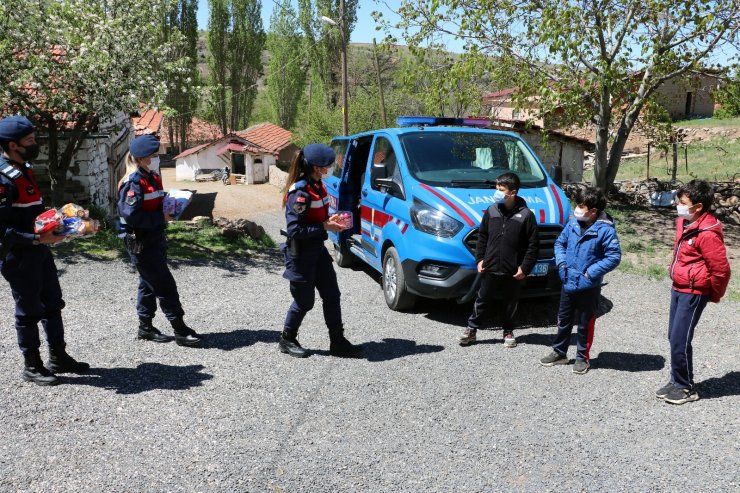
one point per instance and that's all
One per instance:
(506, 252)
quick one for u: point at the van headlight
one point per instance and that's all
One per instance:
(429, 220)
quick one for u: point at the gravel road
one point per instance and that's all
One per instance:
(416, 413)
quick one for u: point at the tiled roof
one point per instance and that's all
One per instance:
(199, 132)
(268, 136)
(233, 143)
(149, 122)
(500, 94)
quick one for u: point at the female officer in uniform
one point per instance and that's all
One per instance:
(26, 261)
(140, 198)
(308, 264)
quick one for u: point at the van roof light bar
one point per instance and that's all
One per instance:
(433, 121)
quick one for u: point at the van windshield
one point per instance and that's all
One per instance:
(469, 159)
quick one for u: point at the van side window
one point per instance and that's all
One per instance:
(383, 153)
(340, 149)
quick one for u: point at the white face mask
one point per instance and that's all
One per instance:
(579, 213)
(683, 210)
(154, 165)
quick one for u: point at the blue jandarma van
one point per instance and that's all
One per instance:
(418, 193)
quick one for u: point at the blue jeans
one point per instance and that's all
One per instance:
(580, 308)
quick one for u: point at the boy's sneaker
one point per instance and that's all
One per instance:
(509, 339)
(581, 366)
(664, 390)
(681, 396)
(467, 337)
(554, 358)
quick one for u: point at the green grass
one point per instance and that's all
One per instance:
(709, 122)
(713, 160)
(184, 241)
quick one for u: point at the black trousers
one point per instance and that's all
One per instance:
(501, 287)
(34, 284)
(317, 274)
(155, 280)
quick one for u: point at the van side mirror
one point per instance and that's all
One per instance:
(556, 173)
(378, 170)
(391, 186)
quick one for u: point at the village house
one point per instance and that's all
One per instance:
(274, 138)
(198, 132)
(244, 159)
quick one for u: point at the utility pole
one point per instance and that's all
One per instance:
(345, 110)
(380, 86)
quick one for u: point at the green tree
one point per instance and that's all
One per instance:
(218, 61)
(246, 42)
(67, 65)
(183, 96)
(728, 97)
(286, 77)
(598, 61)
(323, 41)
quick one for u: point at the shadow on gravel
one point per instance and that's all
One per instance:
(143, 378)
(228, 341)
(389, 349)
(628, 362)
(725, 386)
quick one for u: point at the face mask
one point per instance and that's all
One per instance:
(683, 210)
(30, 152)
(499, 197)
(579, 213)
(154, 165)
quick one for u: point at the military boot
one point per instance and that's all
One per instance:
(149, 332)
(61, 362)
(289, 345)
(340, 346)
(184, 335)
(34, 370)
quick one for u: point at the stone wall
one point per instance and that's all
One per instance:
(95, 168)
(278, 177)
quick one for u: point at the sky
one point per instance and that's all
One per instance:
(364, 31)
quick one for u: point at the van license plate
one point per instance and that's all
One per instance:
(540, 269)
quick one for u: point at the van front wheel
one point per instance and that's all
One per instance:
(396, 294)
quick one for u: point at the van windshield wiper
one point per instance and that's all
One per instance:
(473, 183)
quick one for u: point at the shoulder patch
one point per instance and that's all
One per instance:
(131, 200)
(301, 199)
(130, 193)
(10, 171)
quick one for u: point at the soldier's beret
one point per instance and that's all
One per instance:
(143, 146)
(15, 128)
(319, 155)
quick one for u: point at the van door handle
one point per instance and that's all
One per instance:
(364, 193)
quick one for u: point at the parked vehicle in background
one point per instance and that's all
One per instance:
(418, 194)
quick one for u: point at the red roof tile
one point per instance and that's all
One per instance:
(199, 132)
(149, 122)
(268, 136)
(233, 143)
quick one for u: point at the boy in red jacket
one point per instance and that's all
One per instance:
(700, 273)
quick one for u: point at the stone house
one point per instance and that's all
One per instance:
(559, 149)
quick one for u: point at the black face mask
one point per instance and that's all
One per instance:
(30, 152)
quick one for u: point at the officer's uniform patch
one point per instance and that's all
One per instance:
(131, 198)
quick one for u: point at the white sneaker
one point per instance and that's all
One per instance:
(509, 339)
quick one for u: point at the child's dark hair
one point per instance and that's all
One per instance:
(509, 180)
(591, 197)
(699, 192)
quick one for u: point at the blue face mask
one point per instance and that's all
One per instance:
(499, 197)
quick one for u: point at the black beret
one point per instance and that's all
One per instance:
(15, 128)
(143, 146)
(320, 155)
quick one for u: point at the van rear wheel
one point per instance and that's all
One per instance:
(396, 294)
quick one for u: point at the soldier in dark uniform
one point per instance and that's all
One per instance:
(25, 259)
(140, 198)
(308, 265)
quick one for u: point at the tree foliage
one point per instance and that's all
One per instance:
(287, 76)
(598, 61)
(70, 65)
(183, 95)
(728, 97)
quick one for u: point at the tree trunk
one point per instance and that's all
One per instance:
(601, 152)
(59, 164)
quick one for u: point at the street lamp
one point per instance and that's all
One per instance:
(345, 111)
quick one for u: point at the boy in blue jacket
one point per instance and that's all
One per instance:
(585, 251)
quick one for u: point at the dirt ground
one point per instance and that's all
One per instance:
(214, 199)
